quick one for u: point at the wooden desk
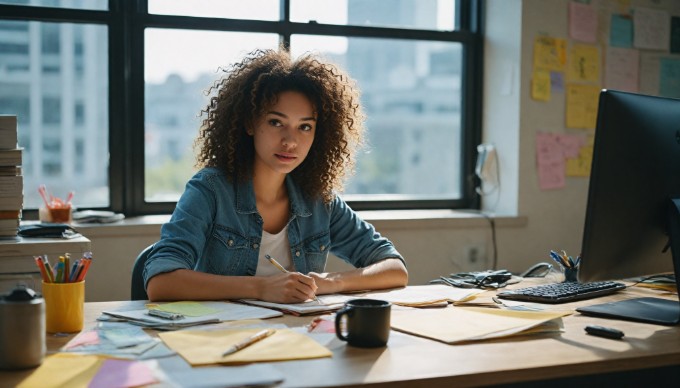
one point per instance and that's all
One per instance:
(648, 353)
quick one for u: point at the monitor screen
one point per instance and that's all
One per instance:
(635, 172)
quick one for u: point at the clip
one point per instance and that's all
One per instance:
(165, 314)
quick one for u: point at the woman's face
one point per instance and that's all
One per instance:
(284, 134)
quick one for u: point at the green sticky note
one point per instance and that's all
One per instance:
(189, 309)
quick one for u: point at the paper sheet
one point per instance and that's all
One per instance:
(582, 22)
(427, 295)
(199, 347)
(582, 103)
(652, 29)
(227, 311)
(64, 370)
(584, 63)
(622, 69)
(549, 53)
(463, 324)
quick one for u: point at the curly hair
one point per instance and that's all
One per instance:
(250, 87)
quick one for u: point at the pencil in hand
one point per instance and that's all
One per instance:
(280, 267)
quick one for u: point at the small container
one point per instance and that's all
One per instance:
(22, 329)
(64, 306)
(57, 215)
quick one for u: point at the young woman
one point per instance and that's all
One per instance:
(275, 146)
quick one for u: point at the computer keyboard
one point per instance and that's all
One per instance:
(562, 292)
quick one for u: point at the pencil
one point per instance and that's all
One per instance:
(280, 267)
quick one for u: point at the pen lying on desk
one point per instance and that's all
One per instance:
(260, 335)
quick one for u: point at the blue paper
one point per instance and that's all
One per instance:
(669, 77)
(621, 31)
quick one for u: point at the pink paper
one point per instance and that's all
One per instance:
(582, 22)
(122, 373)
(551, 162)
(84, 338)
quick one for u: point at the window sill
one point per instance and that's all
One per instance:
(381, 219)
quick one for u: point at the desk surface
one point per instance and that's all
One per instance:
(415, 361)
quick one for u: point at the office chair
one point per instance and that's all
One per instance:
(137, 290)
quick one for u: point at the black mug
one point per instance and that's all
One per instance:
(367, 322)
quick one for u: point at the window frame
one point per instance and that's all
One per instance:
(127, 21)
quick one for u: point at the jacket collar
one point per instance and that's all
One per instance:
(245, 198)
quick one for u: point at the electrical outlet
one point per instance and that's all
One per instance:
(475, 254)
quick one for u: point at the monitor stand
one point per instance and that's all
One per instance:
(649, 310)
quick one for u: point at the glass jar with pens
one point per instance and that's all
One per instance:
(568, 264)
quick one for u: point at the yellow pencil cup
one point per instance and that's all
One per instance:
(64, 303)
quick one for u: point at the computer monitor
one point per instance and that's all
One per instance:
(634, 175)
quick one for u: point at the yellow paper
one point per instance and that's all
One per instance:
(190, 309)
(584, 63)
(462, 324)
(540, 85)
(549, 53)
(581, 166)
(199, 347)
(582, 103)
(64, 370)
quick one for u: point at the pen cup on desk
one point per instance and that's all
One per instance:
(64, 303)
(570, 274)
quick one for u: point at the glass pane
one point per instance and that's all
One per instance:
(176, 81)
(54, 77)
(414, 14)
(231, 9)
(74, 4)
(411, 92)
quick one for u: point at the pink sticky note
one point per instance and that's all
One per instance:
(582, 22)
(84, 338)
(122, 373)
(571, 144)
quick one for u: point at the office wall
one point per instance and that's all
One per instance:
(512, 119)
(529, 221)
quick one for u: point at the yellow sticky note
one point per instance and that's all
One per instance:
(584, 63)
(580, 166)
(582, 103)
(205, 347)
(540, 85)
(64, 370)
(549, 53)
(190, 309)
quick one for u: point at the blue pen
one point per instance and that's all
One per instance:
(556, 256)
(72, 275)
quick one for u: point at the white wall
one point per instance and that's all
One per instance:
(529, 222)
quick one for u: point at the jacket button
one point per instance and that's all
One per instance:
(323, 248)
(297, 253)
(255, 246)
(230, 243)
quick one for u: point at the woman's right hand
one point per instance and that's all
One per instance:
(290, 287)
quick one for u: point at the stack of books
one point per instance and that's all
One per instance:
(11, 179)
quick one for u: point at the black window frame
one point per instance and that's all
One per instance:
(127, 20)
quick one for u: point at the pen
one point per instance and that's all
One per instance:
(556, 256)
(280, 267)
(260, 335)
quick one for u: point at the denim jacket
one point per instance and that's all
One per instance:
(216, 228)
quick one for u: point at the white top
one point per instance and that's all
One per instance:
(278, 247)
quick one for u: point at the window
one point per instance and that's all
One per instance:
(107, 109)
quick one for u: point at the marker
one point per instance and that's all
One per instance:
(606, 332)
(260, 335)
